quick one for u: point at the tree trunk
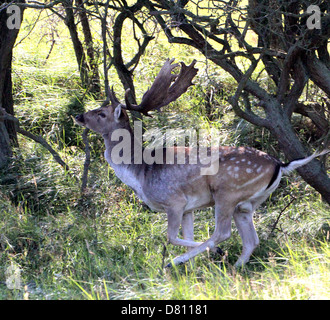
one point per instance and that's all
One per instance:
(7, 41)
(5, 149)
(313, 173)
(77, 45)
(318, 72)
(8, 104)
(95, 80)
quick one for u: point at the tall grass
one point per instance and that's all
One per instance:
(108, 245)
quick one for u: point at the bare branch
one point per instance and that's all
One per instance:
(39, 5)
(279, 216)
(46, 145)
(247, 114)
(142, 47)
(283, 84)
(6, 116)
(105, 51)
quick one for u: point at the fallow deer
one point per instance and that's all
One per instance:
(244, 178)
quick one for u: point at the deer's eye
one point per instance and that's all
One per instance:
(102, 115)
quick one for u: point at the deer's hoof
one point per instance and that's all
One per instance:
(219, 251)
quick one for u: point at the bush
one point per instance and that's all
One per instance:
(70, 135)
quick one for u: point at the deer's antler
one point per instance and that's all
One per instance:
(111, 97)
(163, 90)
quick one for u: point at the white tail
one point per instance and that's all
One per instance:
(244, 178)
(289, 167)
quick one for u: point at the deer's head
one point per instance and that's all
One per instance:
(166, 88)
(107, 118)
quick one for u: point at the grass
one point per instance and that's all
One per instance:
(107, 244)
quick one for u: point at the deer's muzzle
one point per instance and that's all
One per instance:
(80, 119)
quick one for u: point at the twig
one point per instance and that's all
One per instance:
(247, 114)
(161, 269)
(87, 160)
(30, 31)
(105, 50)
(163, 255)
(51, 48)
(279, 216)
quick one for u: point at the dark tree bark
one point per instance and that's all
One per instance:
(95, 86)
(123, 70)
(318, 72)
(313, 173)
(8, 104)
(5, 148)
(7, 128)
(77, 45)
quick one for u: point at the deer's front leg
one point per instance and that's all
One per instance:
(188, 232)
(188, 227)
(222, 232)
(174, 220)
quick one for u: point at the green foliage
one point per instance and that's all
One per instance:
(70, 135)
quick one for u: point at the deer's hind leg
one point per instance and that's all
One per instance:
(243, 218)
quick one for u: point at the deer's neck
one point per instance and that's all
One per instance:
(124, 147)
(124, 154)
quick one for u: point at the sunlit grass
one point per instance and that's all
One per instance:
(302, 273)
(109, 246)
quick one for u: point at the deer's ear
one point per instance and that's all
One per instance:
(117, 113)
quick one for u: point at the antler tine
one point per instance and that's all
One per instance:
(110, 98)
(129, 106)
(162, 91)
(134, 107)
(113, 97)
